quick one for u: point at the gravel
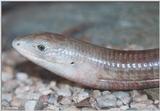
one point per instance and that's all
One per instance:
(106, 100)
(7, 97)
(21, 76)
(6, 76)
(123, 96)
(65, 101)
(16, 102)
(5, 104)
(64, 90)
(10, 86)
(26, 93)
(80, 96)
(30, 105)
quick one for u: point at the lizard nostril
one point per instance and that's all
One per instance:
(18, 44)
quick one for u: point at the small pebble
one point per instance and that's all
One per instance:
(64, 92)
(80, 96)
(93, 103)
(123, 96)
(135, 93)
(9, 86)
(88, 109)
(153, 93)
(106, 101)
(28, 81)
(32, 95)
(43, 88)
(156, 101)
(84, 103)
(51, 107)
(152, 107)
(52, 85)
(46, 92)
(5, 104)
(76, 90)
(71, 108)
(17, 102)
(52, 99)
(124, 107)
(140, 98)
(119, 103)
(6, 76)
(6, 68)
(141, 105)
(44, 100)
(22, 89)
(7, 96)
(96, 93)
(28, 95)
(65, 101)
(132, 109)
(30, 105)
(106, 93)
(113, 109)
(22, 92)
(40, 105)
(21, 76)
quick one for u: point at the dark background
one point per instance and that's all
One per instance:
(117, 24)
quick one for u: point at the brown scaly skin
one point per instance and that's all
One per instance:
(92, 65)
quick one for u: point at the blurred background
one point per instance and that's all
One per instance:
(115, 23)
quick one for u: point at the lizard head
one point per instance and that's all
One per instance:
(41, 46)
(53, 52)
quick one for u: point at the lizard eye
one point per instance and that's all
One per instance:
(41, 47)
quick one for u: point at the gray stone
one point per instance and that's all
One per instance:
(21, 76)
(46, 92)
(52, 85)
(51, 107)
(124, 107)
(96, 93)
(123, 96)
(76, 90)
(119, 103)
(7, 96)
(153, 93)
(16, 102)
(141, 105)
(6, 76)
(30, 105)
(106, 101)
(9, 86)
(24, 92)
(66, 100)
(5, 104)
(70, 108)
(52, 99)
(140, 98)
(64, 91)
(135, 93)
(152, 108)
(40, 105)
(80, 96)
(106, 92)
